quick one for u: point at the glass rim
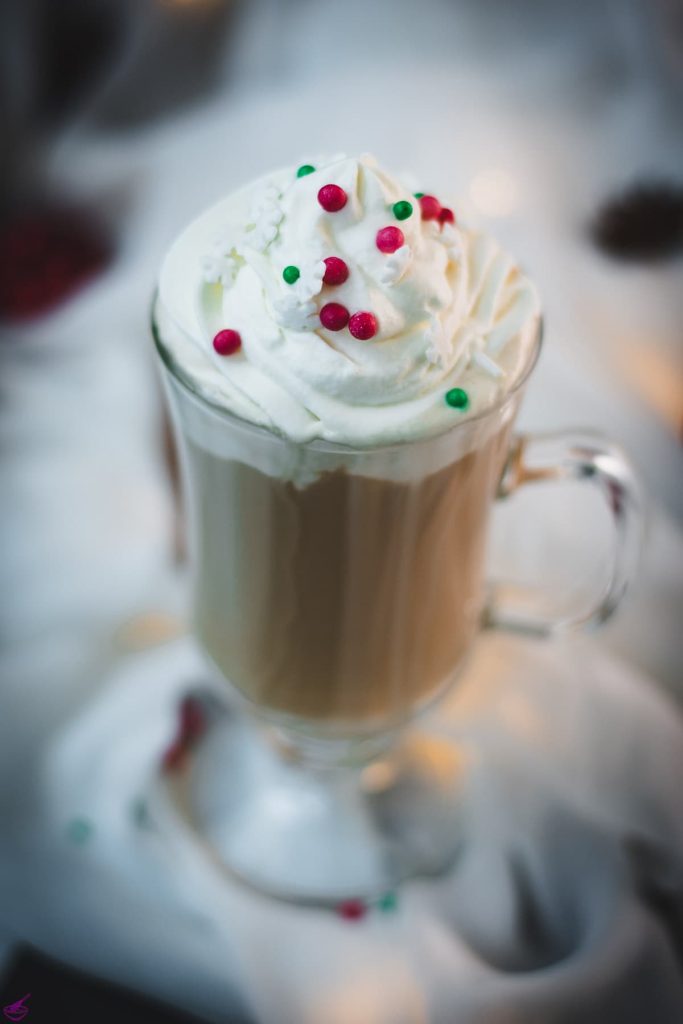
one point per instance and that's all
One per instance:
(318, 443)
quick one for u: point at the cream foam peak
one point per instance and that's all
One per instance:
(366, 314)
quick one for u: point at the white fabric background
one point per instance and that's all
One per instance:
(579, 754)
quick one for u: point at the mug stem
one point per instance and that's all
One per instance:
(318, 837)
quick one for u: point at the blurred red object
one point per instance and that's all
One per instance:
(46, 256)
(352, 910)
(191, 727)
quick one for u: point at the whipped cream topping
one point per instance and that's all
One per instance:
(451, 310)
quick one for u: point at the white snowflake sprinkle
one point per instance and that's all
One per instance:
(267, 195)
(221, 264)
(291, 312)
(294, 307)
(437, 346)
(265, 217)
(396, 265)
(309, 283)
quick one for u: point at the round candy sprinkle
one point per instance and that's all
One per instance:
(291, 274)
(332, 198)
(446, 216)
(336, 271)
(363, 326)
(389, 239)
(227, 342)
(457, 398)
(192, 720)
(430, 207)
(352, 910)
(304, 170)
(79, 831)
(402, 209)
(174, 757)
(334, 316)
(388, 902)
(418, 195)
(140, 813)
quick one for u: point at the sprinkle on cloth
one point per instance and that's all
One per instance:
(79, 831)
(174, 758)
(352, 910)
(139, 812)
(388, 903)
(356, 910)
(191, 727)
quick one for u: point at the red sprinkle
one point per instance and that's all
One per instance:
(174, 757)
(227, 342)
(446, 216)
(192, 720)
(334, 316)
(389, 239)
(352, 910)
(363, 326)
(336, 271)
(332, 198)
(430, 207)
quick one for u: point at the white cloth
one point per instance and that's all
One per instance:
(566, 902)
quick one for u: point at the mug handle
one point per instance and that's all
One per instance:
(575, 455)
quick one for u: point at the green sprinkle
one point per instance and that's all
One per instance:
(418, 195)
(291, 274)
(402, 209)
(304, 170)
(457, 398)
(79, 831)
(388, 903)
(140, 813)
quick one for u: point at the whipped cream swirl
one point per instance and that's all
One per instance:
(451, 310)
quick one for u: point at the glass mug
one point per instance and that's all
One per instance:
(338, 591)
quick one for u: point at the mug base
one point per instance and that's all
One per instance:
(320, 835)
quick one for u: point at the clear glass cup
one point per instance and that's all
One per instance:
(338, 592)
